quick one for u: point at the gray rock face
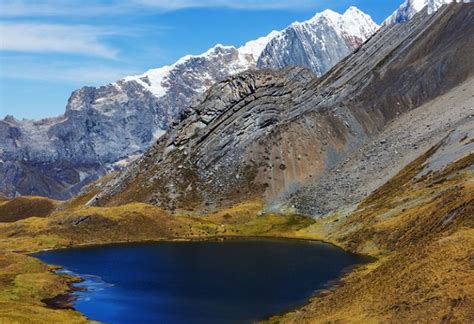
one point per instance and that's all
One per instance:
(270, 133)
(202, 156)
(319, 43)
(105, 128)
(55, 157)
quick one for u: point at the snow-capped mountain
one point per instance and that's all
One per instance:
(319, 43)
(217, 63)
(409, 8)
(107, 127)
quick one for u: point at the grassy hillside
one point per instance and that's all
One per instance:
(422, 230)
(25, 207)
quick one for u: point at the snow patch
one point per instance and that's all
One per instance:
(125, 162)
(154, 80)
(353, 22)
(158, 133)
(256, 47)
(83, 176)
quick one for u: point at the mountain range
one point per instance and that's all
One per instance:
(269, 133)
(104, 128)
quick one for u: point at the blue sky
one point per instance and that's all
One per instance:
(48, 48)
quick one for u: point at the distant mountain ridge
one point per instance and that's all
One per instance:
(106, 127)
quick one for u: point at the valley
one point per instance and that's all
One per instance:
(373, 154)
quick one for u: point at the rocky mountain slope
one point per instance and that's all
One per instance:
(268, 133)
(450, 115)
(105, 128)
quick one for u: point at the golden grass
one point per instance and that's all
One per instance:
(24, 282)
(32, 281)
(422, 229)
(141, 222)
(24, 207)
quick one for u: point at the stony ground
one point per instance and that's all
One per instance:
(401, 142)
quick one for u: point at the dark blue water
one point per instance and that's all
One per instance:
(234, 281)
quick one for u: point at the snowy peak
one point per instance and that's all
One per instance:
(358, 23)
(326, 14)
(157, 81)
(320, 42)
(353, 23)
(410, 8)
(406, 11)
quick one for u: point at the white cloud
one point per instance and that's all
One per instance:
(234, 4)
(54, 38)
(78, 73)
(39, 8)
(46, 8)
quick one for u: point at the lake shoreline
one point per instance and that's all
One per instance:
(66, 300)
(197, 239)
